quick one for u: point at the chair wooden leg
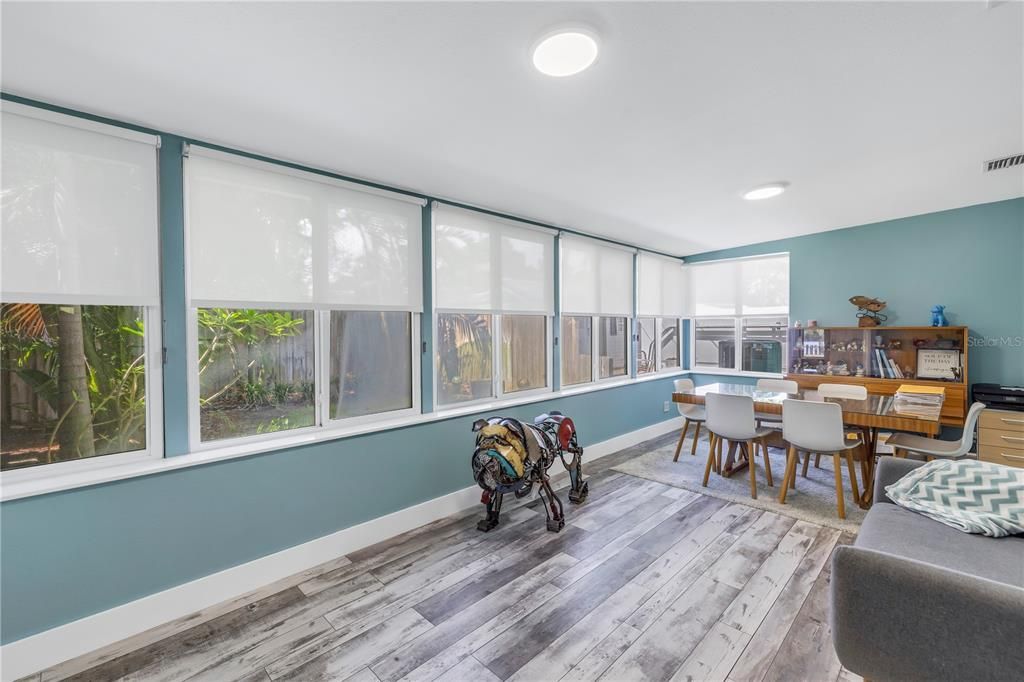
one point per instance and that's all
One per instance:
(707, 467)
(753, 470)
(718, 454)
(853, 476)
(767, 465)
(817, 461)
(792, 455)
(679, 445)
(840, 502)
(696, 435)
(807, 461)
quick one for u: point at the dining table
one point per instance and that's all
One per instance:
(869, 416)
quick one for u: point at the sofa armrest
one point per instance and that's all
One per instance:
(888, 471)
(900, 619)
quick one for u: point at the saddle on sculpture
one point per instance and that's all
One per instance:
(511, 456)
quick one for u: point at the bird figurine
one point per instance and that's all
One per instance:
(868, 313)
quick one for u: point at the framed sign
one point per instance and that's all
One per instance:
(935, 363)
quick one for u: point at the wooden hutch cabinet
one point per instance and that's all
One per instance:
(883, 358)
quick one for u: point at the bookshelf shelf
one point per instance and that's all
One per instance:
(883, 358)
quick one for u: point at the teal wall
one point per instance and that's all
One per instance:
(969, 259)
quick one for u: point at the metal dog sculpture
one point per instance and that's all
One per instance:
(511, 456)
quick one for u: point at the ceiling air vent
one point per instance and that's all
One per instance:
(1005, 162)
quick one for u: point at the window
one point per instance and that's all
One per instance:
(597, 292)
(647, 351)
(524, 344)
(303, 295)
(764, 344)
(464, 357)
(670, 340)
(612, 347)
(371, 363)
(714, 343)
(256, 371)
(661, 302)
(493, 279)
(740, 310)
(79, 321)
(577, 350)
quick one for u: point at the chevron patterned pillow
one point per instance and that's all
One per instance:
(972, 496)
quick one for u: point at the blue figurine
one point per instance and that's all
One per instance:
(938, 318)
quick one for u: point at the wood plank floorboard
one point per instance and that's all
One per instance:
(645, 582)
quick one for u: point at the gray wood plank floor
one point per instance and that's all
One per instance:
(646, 582)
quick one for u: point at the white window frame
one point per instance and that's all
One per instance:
(659, 322)
(737, 368)
(154, 450)
(630, 326)
(324, 377)
(498, 395)
(152, 338)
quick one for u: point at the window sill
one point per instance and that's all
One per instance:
(736, 373)
(14, 490)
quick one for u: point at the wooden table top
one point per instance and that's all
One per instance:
(876, 411)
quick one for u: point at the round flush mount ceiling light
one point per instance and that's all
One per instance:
(766, 191)
(565, 52)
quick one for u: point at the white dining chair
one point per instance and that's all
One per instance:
(774, 386)
(843, 391)
(731, 418)
(817, 427)
(691, 414)
(931, 447)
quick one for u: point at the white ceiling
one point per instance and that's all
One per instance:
(871, 111)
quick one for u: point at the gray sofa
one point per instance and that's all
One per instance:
(913, 599)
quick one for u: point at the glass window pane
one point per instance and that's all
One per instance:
(577, 350)
(463, 357)
(764, 344)
(256, 372)
(371, 363)
(715, 343)
(669, 343)
(612, 346)
(74, 382)
(524, 346)
(646, 351)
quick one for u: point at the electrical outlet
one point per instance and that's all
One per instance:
(666, 406)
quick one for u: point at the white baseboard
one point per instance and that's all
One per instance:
(46, 649)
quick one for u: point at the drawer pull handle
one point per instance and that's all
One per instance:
(1020, 457)
(1013, 438)
(1012, 421)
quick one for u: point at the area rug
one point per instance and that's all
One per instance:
(813, 500)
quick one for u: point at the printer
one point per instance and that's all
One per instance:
(999, 397)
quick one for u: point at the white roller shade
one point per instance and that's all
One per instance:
(745, 286)
(79, 211)
(661, 286)
(264, 236)
(597, 278)
(482, 263)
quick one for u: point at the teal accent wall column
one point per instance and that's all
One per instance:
(172, 296)
(556, 322)
(427, 318)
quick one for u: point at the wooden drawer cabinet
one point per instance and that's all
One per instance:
(1004, 420)
(998, 455)
(1001, 437)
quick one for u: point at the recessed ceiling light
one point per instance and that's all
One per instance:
(565, 53)
(766, 191)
